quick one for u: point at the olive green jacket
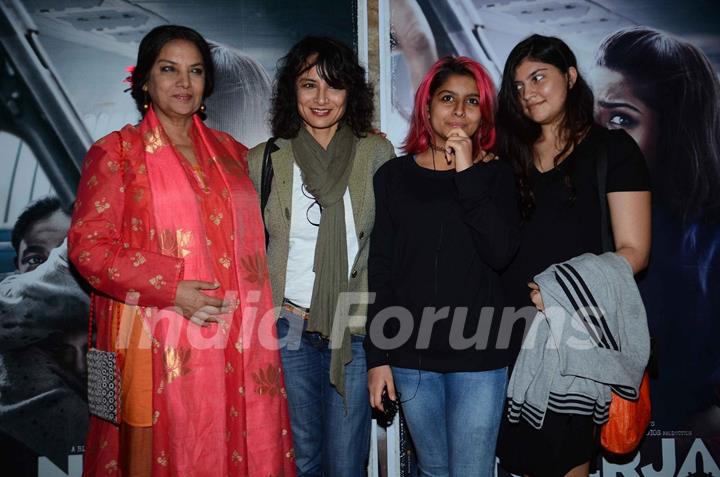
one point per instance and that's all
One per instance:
(371, 152)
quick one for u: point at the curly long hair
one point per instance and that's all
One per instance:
(517, 134)
(420, 134)
(677, 82)
(337, 65)
(149, 49)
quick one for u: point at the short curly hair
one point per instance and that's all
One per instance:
(149, 49)
(337, 64)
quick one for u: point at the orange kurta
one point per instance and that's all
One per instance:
(144, 220)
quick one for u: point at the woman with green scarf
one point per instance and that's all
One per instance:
(319, 211)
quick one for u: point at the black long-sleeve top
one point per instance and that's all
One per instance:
(439, 240)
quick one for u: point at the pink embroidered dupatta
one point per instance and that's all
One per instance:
(219, 404)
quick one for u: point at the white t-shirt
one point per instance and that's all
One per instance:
(300, 277)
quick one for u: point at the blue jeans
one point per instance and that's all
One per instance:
(330, 440)
(453, 419)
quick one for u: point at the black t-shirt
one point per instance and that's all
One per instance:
(558, 229)
(438, 240)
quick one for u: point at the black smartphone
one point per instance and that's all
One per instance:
(390, 407)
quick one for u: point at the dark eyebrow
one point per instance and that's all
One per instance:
(535, 72)
(455, 93)
(618, 104)
(174, 63)
(33, 249)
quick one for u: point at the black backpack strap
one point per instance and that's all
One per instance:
(602, 172)
(266, 181)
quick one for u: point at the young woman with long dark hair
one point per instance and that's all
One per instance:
(546, 131)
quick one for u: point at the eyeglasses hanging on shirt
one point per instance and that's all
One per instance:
(314, 210)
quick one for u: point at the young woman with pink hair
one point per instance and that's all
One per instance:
(444, 226)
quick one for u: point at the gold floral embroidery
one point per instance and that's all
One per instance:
(236, 457)
(216, 218)
(113, 273)
(184, 237)
(93, 280)
(290, 454)
(284, 432)
(224, 193)
(229, 368)
(111, 466)
(126, 146)
(227, 162)
(168, 244)
(102, 205)
(234, 412)
(241, 390)
(225, 261)
(176, 243)
(142, 170)
(239, 345)
(155, 417)
(153, 140)
(136, 224)
(84, 256)
(138, 194)
(268, 381)
(113, 166)
(138, 259)
(92, 182)
(161, 386)
(162, 459)
(176, 363)
(255, 268)
(157, 281)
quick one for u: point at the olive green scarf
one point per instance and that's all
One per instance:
(325, 174)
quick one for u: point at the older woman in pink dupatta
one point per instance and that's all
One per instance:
(167, 231)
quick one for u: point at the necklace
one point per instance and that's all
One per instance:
(437, 148)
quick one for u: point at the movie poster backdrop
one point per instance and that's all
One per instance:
(71, 92)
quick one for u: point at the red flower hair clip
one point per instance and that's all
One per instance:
(128, 79)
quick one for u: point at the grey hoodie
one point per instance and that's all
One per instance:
(591, 338)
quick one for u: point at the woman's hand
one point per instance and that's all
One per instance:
(196, 306)
(458, 146)
(379, 378)
(535, 296)
(485, 156)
